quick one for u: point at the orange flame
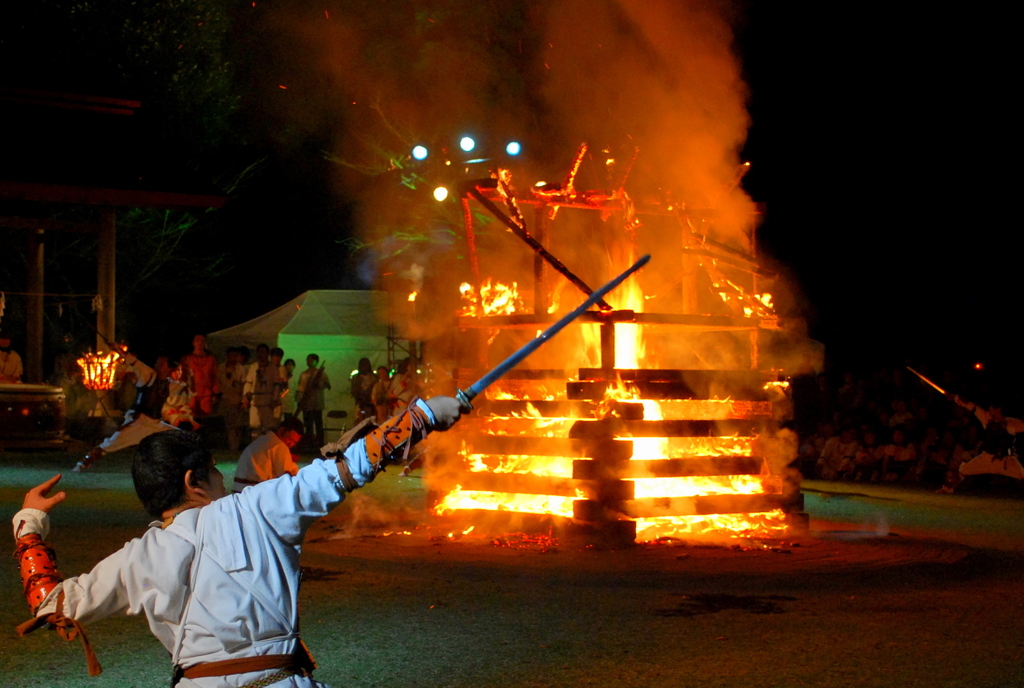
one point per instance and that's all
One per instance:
(493, 299)
(505, 501)
(98, 371)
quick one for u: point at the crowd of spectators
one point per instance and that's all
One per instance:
(887, 426)
(247, 395)
(381, 394)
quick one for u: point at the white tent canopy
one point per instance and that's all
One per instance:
(339, 326)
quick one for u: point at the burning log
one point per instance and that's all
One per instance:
(521, 483)
(702, 383)
(705, 323)
(616, 427)
(606, 449)
(587, 510)
(588, 469)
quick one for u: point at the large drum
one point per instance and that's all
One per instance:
(31, 417)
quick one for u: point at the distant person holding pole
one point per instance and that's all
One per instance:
(310, 398)
(10, 362)
(141, 420)
(998, 454)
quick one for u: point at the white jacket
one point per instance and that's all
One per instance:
(240, 558)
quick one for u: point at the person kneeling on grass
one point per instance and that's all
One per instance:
(217, 575)
(269, 456)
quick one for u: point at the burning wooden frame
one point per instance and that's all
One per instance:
(622, 452)
(99, 370)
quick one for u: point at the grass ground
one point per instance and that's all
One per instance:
(893, 587)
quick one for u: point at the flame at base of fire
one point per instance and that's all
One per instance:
(765, 524)
(506, 501)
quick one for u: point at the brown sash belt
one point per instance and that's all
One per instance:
(301, 662)
(243, 665)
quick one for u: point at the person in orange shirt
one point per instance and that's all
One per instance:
(202, 373)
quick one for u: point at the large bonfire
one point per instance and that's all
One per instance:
(602, 448)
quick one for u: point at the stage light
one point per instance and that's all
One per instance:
(420, 152)
(440, 193)
(513, 148)
(467, 143)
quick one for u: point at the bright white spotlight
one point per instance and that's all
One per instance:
(513, 148)
(440, 193)
(420, 152)
(467, 143)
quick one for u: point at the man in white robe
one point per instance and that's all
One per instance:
(219, 581)
(140, 421)
(269, 456)
(998, 455)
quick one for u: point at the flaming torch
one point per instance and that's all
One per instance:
(98, 370)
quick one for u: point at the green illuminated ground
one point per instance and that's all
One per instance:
(936, 604)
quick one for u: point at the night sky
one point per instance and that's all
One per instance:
(882, 144)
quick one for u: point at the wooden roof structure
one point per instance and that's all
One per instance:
(75, 150)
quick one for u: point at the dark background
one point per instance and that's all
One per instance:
(883, 146)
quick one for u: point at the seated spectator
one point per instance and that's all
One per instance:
(900, 414)
(936, 453)
(869, 458)
(177, 408)
(900, 460)
(10, 361)
(269, 456)
(838, 454)
(851, 394)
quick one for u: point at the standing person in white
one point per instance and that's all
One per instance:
(218, 576)
(231, 379)
(262, 391)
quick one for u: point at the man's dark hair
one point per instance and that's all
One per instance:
(276, 351)
(159, 468)
(292, 423)
(262, 346)
(316, 358)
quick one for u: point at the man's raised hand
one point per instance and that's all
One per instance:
(36, 498)
(446, 410)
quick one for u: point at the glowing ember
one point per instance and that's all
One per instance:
(769, 523)
(413, 295)
(493, 299)
(98, 371)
